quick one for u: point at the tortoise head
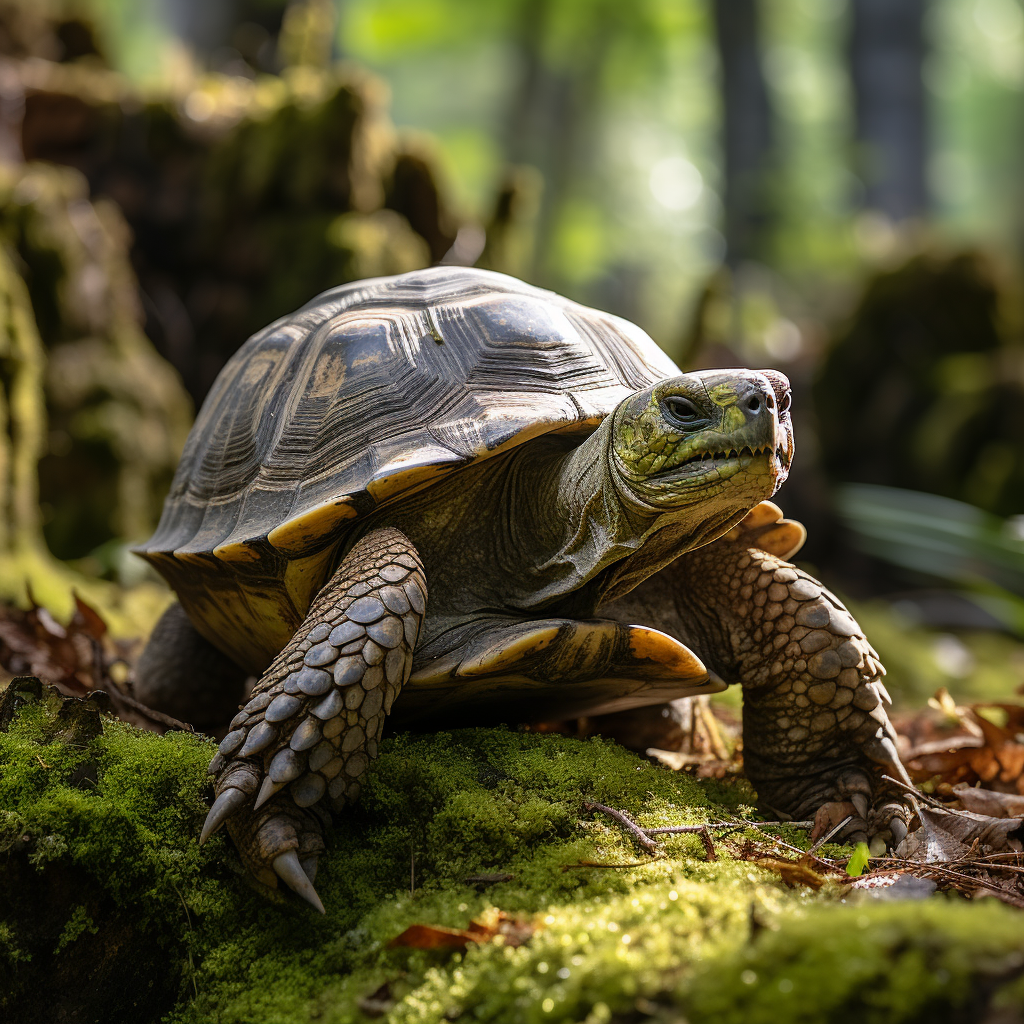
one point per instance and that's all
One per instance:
(715, 434)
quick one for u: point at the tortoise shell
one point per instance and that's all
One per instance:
(371, 391)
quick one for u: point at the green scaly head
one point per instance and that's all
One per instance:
(715, 434)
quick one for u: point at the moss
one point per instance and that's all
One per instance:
(882, 964)
(119, 816)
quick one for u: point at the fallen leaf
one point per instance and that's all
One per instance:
(426, 936)
(989, 801)
(949, 835)
(513, 931)
(895, 885)
(791, 872)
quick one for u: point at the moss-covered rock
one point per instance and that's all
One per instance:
(112, 911)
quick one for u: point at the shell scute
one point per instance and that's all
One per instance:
(351, 403)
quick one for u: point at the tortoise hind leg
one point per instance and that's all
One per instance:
(314, 719)
(182, 674)
(816, 736)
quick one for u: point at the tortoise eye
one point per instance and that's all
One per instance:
(682, 412)
(785, 402)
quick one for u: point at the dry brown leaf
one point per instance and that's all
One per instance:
(793, 873)
(948, 835)
(427, 936)
(513, 931)
(990, 802)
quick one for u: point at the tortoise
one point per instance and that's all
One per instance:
(449, 496)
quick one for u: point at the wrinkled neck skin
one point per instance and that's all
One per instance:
(600, 539)
(550, 528)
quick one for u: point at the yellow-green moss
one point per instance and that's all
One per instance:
(672, 933)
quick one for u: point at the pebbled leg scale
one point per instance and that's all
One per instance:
(816, 736)
(314, 720)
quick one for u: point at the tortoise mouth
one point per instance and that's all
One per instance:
(715, 460)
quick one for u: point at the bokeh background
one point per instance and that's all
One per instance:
(830, 187)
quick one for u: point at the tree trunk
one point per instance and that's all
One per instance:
(887, 50)
(747, 129)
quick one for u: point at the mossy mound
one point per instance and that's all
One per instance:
(113, 912)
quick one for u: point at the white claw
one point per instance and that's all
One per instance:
(860, 801)
(290, 871)
(899, 831)
(223, 807)
(267, 790)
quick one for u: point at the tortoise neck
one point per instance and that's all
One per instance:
(577, 521)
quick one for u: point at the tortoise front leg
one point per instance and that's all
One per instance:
(816, 736)
(314, 720)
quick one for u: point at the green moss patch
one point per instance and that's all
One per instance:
(101, 867)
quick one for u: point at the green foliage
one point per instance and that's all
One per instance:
(934, 536)
(974, 665)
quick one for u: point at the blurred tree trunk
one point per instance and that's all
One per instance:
(747, 129)
(551, 115)
(22, 415)
(887, 51)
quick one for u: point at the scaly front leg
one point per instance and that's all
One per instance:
(816, 736)
(314, 720)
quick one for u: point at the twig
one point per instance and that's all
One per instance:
(824, 839)
(823, 861)
(681, 829)
(118, 697)
(636, 831)
(598, 864)
(913, 865)
(916, 793)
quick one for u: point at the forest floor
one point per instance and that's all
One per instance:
(486, 874)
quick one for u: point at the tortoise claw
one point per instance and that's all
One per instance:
(223, 807)
(290, 870)
(309, 865)
(267, 790)
(899, 831)
(860, 801)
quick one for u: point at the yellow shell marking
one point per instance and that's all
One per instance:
(299, 534)
(501, 657)
(236, 552)
(669, 655)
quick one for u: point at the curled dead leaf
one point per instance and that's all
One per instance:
(496, 924)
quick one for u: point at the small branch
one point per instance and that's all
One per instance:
(635, 830)
(118, 697)
(915, 793)
(683, 829)
(598, 864)
(824, 839)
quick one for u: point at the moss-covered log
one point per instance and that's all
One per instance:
(111, 909)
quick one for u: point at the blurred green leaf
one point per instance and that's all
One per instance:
(859, 861)
(939, 537)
